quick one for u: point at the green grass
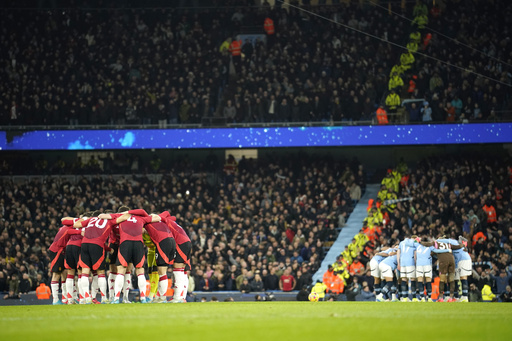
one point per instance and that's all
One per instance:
(264, 321)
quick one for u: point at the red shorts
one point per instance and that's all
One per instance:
(131, 251)
(92, 257)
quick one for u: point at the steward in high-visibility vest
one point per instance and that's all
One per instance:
(421, 21)
(415, 37)
(343, 276)
(319, 288)
(361, 239)
(435, 288)
(346, 255)
(395, 82)
(477, 236)
(224, 47)
(388, 180)
(426, 40)
(393, 101)
(382, 193)
(236, 48)
(490, 211)
(354, 249)
(396, 177)
(377, 216)
(406, 59)
(396, 70)
(487, 294)
(412, 47)
(43, 292)
(328, 276)
(419, 9)
(412, 84)
(404, 181)
(268, 26)
(382, 116)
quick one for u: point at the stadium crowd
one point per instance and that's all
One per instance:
(262, 220)
(464, 197)
(173, 65)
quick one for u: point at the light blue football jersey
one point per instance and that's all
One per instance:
(381, 258)
(392, 261)
(423, 255)
(407, 248)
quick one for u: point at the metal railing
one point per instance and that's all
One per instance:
(221, 122)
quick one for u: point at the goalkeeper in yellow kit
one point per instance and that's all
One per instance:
(152, 268)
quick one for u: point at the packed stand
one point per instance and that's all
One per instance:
(172, 66)
(312, 69)
(464, 198)
(107, 66)
(262, 220)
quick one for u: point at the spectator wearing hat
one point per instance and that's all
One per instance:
(426, 112)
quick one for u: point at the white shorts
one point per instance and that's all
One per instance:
(385, 271)
(424, 271)
(464, 268)
(374, 268)
(408, 271)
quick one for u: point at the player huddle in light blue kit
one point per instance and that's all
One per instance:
(408, 265)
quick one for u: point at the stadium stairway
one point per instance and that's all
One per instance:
(352, 227)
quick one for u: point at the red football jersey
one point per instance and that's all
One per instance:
(131, 229)
(62, 236)
(158, 231)
(60, 240)
(75, 239)
(114, 235)
(178, 233)
(97, 230)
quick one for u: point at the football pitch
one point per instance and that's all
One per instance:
(265, 321)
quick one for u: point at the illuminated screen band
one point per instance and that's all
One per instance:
(257, 137)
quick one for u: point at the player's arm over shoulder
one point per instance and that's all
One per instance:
(68, 221)
(155, 218)
(123, 217)
(81, 223)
